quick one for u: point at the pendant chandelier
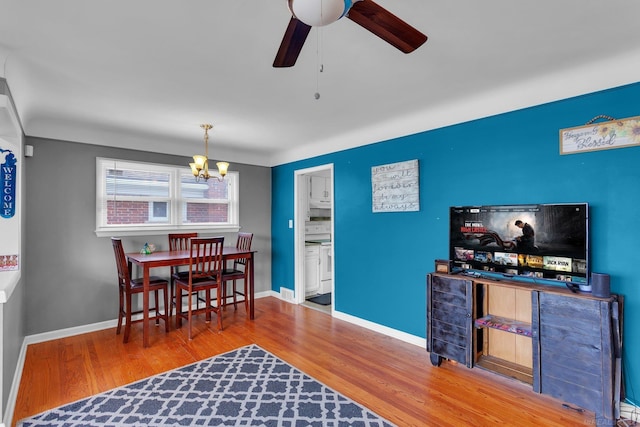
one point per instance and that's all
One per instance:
(200, 165)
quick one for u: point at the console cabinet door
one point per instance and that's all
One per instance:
(449, 318)
(573, 351)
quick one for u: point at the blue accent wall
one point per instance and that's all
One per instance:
(381, 259)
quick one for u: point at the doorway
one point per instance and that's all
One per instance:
(314, 232)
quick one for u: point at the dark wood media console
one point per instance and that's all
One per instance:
(564, 344)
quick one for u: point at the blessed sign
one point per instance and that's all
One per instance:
(600, 136)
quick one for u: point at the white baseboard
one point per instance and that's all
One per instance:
(393, 333)
(69, 332)
(13, 392)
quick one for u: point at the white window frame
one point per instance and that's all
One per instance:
(153, 217)
(175, 210)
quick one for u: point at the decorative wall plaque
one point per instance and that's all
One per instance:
(600, 136)
(395, 187)
(8, 172)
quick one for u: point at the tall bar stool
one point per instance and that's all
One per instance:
(238, 272)
(178, 242)
(204, 275)
(127, 287)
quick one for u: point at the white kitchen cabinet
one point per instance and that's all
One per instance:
(312, 270)
(319, 191)
(326, 277)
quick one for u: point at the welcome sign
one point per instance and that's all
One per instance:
(11, 142)
(8, 181)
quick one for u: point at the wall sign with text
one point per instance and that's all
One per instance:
(395, 187)
(8, 170)
(600, 136)
(11, 143)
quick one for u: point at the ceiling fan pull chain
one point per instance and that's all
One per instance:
(319, 64)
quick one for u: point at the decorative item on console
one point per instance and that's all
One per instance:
(600, 285)
(444, 266)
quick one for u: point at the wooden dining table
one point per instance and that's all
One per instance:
(176, 258)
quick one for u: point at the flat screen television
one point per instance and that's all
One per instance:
(543, 241)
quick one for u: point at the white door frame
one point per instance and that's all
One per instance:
(299, 211)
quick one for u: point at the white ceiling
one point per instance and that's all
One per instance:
(144, 74)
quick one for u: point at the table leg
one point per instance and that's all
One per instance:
(251, 288)
(145, 308)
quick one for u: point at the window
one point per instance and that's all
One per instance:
(158, 211)
(134, 198)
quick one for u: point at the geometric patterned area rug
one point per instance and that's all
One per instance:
(245, 387)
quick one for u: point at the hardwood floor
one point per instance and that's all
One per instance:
(391, 377)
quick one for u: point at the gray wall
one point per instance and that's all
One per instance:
(13, 333)
(70, 272)
(13, 311)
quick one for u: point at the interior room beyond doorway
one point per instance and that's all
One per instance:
(314, 238)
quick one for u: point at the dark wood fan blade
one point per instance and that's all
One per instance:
(386, 25)
(292, 42)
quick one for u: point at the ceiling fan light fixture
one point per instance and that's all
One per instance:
(318, 13)
(366, 13)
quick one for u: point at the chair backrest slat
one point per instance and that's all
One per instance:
(244, 243)
(121, 261)
(180, 241)
(206, 257)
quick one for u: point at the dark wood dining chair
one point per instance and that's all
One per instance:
(178, 242)
(238, 272)
(205, 275)
(127, 287)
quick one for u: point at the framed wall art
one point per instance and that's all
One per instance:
(600, 136)
(395, 187)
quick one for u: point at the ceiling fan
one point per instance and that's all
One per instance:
(366, 13)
